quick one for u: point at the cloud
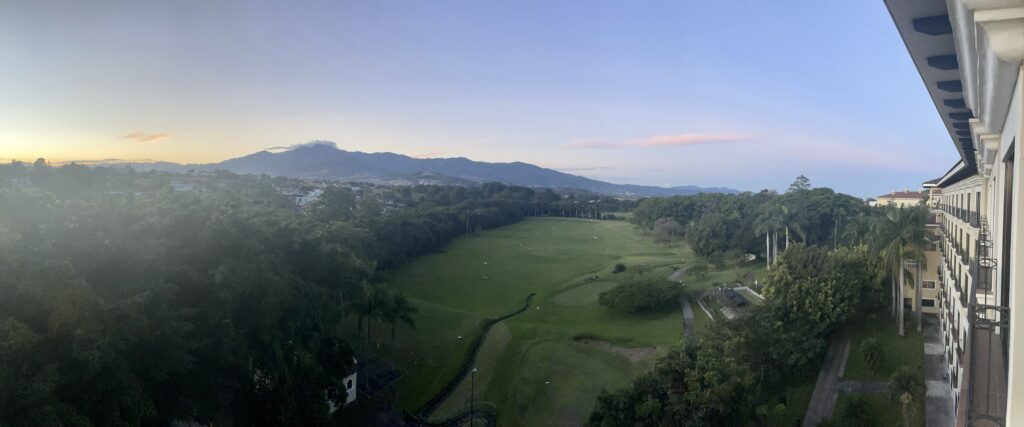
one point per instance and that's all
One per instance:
(685, 139)
(142, 137)
(305, 144)
(659, 141)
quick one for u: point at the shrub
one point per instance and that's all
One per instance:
(873, 354)
(641, 293)
(855, 412)
(619, 267)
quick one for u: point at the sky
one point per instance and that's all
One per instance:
(744, 94)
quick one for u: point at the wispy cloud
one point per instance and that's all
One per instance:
(686, 139)
(142, 137)
(305, 144)
(660, 141)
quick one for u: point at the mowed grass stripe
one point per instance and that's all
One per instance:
(540, 376)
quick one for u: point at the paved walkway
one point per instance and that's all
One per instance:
(689, 330)
(823, 399)
(857, 386)
(938, 402)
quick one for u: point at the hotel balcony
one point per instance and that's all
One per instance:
(987, 373)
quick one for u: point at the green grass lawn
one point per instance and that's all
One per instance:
(898, 351)
(530, 365)
(798, 396)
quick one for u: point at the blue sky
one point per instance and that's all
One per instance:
(743, 94)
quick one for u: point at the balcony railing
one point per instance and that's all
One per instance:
(986, 375)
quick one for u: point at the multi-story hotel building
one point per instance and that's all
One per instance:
(901, 198)
(969, 54)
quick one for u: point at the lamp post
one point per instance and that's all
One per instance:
(472, 387)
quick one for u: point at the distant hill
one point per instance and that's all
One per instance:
(326, 161)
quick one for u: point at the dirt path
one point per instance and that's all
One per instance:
(823, 399)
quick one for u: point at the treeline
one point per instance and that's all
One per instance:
(125, 302)
(430, 216)
(756, 223)
(734, 374)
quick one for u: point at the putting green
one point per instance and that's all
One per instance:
(530, 367)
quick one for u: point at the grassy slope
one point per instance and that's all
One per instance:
(541, 376)
(530, 366)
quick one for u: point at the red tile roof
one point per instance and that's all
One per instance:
(904, 195)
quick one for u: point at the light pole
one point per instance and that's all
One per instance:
(472, 387)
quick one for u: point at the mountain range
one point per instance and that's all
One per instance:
(324, 160)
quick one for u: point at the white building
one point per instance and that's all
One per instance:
(969, 54)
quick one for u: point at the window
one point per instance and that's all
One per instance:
(928, 302)
(928, 284)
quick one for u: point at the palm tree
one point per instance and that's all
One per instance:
(769, 223)
(792, 219)
(367, 304)
(395, 309)
(906, 387)
(900, 234)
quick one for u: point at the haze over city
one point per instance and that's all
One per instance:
(665, 94)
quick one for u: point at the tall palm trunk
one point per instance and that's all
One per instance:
(916, 296)
(775, 246)
(359, 328)
(899, 303)
(368, 322)
(767, 251)
(787, 238)
(892, 295)
(392, 345)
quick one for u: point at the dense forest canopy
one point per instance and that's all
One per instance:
(127, 298)
(717, 223)
(126, 302)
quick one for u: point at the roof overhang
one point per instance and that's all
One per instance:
(968, 53)
(955, 174)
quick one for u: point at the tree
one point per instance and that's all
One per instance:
(811, 285)
(769, 222)
(873, 354)
(698, 269)
(667, 230)
(395, 309)
(900, 234)
(801, 183)
(619, 267)
(641, 292)
(368, 304)
(854, 412)
(907, 388)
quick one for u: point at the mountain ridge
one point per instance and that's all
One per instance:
(324, 160)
